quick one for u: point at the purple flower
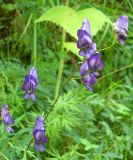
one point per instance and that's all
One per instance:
(95, 62)
(88, 50)
(6, 118)
(90, 80)
(85, 43)
(84, 68)
(121, 27)
(39, 134)
(30, 84)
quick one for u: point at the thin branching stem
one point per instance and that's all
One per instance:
(29, 144)
(106, 48)
(115, 71)
(52, 106)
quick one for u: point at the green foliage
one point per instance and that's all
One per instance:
(82, 125)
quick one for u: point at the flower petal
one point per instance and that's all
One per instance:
(84, 68)
(39, 147)
(122, 22)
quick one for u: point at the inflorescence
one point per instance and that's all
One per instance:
(6, 118)
(30, 84)
(39, 134)
(121, 28)
(89, 70)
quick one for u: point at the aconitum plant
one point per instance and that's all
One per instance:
(30, 84)
(90, 71)
(93, 62)
(6, 118)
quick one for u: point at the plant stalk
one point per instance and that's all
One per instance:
(35, 44)
(61, 63)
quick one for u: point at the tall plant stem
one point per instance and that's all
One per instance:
(61, 63)
(108, 46)
(35, 44)
(60, 70)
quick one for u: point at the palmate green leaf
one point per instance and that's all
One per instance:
(71, 20)
(63, 16)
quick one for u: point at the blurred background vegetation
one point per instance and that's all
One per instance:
(83, 125)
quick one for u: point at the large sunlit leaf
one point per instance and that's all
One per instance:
(63, 16)
(71, 20)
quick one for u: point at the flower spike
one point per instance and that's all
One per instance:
(121, 28)
(30, 84)
(39, 134)
(6, 118)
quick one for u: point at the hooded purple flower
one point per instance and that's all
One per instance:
(89, 69)
(6, 118)
(90, 80)
(39, 134)
(30, 84)
(84, 69)
(85, 43)
(121, 28)
(95, 62)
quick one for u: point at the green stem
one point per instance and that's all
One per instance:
(60, 67)
(3, 87)
(52, 106)
(29, 144)
(35, 44)
(25, 30)
(115, 71)
(131, 6)
(108, 47)
(59, 77)
(23, 33)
